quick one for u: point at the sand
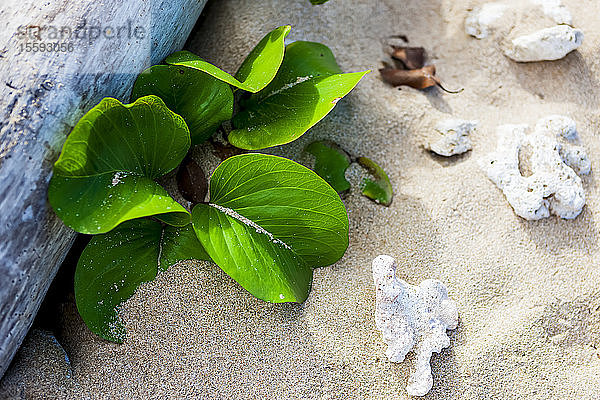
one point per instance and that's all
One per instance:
(527, 292)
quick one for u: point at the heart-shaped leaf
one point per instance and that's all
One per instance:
(263, 265)
(379, 189)
(105, 173)
(257, 70)
(269, 221)
(306, 88)
(331, 163)
(203, 101)
(113, 265)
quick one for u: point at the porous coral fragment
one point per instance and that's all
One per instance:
(410, 317)
(453, 137)
(551, 184)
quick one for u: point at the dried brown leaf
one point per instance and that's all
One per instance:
(410, 57)
(421, 78)
(191, 181)
(417, 78)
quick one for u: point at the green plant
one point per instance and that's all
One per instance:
(331, 163)
(268, 220)
(303, 91)
(379, 188)
(274, 215)
(106, 172)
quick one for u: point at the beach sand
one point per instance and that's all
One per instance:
(528, 293)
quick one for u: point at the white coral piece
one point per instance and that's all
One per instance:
(454, 137)
(555, 10)
(412, 317)
(551, 43)
(552, 185)
(483, 20)
(558, 125)
(546, 44)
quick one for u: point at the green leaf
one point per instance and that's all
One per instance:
(269, 221)
(301, 60)
(331, 163)
(203, 101)
(306, 88)
(109, 271)
(257, 70)
(178, 244)
(264, 266)
(113, 265)
(315, 2)
(380, 189)
(105, 173)
(261, 65)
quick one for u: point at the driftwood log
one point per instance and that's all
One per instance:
(57, 60)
